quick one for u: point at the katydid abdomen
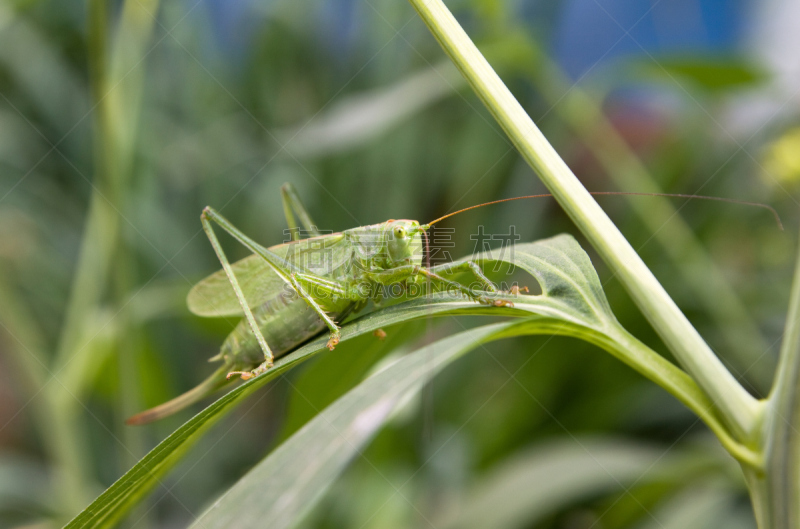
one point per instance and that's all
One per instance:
(286, 321)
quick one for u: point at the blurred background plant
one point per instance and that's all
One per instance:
(120, 121)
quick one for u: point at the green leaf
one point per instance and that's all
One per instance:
(570, 287)
(285, 485)
(571, 304)
(331, 376)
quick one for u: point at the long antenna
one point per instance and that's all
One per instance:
(671, 195)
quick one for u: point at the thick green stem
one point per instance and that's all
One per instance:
(584, 114)
(780, 502)
(740, 410)
(759, 496)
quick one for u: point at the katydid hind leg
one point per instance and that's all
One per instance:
(292, 205)
(280, 266)
(455, 285)
(223, 259)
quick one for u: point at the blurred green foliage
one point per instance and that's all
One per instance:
(120, 122)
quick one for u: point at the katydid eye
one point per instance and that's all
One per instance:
(399, 232)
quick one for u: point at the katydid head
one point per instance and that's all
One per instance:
(403, 242)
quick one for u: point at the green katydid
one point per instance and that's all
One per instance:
(290, 292)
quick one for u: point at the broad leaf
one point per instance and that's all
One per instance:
(570, 287)
(286, 484)
(331, 376)
(572, 304)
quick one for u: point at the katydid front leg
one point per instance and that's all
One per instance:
(471, 266)
(477, 271)
(326, 287)
(424, 272)
(480, 298)
(388, 277)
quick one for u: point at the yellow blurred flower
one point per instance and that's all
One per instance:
(782, 159)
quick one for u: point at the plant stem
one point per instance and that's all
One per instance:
(740, 410)
(781, 501)
(583, 112)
